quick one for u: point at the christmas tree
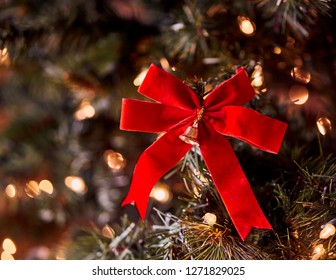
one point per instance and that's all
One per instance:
(66, 166)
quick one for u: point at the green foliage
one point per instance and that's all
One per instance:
(294, 15)
(307, 204)
(126, 244)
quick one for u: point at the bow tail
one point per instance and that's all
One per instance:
(153, 163)
(231, 182)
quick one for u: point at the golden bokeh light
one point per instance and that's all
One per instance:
(10, 190)
(277, 50)
(327, 231)
(85, 111)
(3, 52)
(323, 125)
(257, 77)
(298, 94)
(32, 189)
(46, 186)
(114, 160)
(318, 252)
(161, 193)
(210, 219)
(301, 75)
(6, 256)
(9, 246)
(4, 56)
(108, 232)
(75, 184)
(246, 25)
(140, 77)
(164, 63)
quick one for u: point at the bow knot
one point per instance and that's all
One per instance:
(221, 115)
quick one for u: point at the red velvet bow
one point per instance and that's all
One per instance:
(177, 108)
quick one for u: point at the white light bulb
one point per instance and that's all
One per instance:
(209, 219)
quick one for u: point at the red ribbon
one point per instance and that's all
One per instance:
(177, 108)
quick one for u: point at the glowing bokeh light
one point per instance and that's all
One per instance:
(46, 186)
(164, 63)
(85, 111)
(257, 77)
(10, 190)
(277, 50)
(75, 184)
(323, 125)
(318, 252)
(114, 160)
(246, 25)
(210, 219)
(298, 94)
(6, 256)
(327, 231)
(300, 75)
(162, 193)
(9, 246)
(32, 189)
(108, 232)
(140, 77)
(4, 56)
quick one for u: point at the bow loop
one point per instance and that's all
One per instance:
(145, 116)
(249, 126)
(167, 89)
(235, 91)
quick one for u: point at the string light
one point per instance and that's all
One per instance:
(6, 256)
(9, 246)
(161, 193)
(327, 231)
(4, 56)
(210, 219)
(318, 252)
(177, 26)
(85, 111)
(108, 232)
(277, 50)
(300, 75)
(246, 25)
(257, 77)
(75, 184)
(323, 125)
(32, 189)
(298, 94)
(164, 63)
(9, 249)
(10, 190)
(114, 160)
(140, 77)
(46, 186)
(211, 60)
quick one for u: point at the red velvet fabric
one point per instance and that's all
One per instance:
(177, 109)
